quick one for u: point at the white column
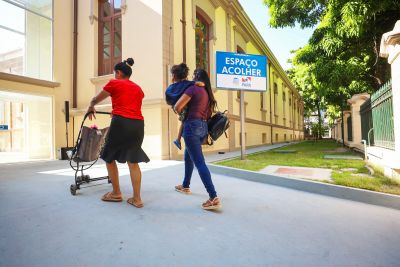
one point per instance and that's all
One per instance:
(356, 101)
(390, 49)
(346, 114)
(336, 131)
(339, 130)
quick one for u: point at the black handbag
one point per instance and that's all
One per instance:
(217, 125)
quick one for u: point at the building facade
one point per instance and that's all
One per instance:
(79, 42)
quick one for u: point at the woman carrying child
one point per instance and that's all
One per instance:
(200, 104)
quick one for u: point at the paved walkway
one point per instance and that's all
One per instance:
(318, 174)
(233, 154)
(41, 224)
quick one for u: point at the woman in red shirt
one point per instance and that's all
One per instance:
(125, 136)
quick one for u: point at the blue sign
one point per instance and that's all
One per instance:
(241, 71)
(3, 127)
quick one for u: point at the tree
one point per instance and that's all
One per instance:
(342, 55)
(313, 94)
(348, 31)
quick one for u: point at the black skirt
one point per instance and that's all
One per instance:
(124, 141)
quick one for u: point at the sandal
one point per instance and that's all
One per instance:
(133, 203)
(110, 198)
(212, 204)
(184, 190)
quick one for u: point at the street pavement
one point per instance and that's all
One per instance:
(42, 224)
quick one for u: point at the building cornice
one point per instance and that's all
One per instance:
(147, 104)
(215, 3)
(244, 34)
(389, 42)
(28, 80)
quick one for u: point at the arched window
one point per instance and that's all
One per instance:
(110, 30)
(275, 98)
(239, 50)
(202, 43)
(284, 105)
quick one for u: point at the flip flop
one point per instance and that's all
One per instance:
(109, 198)
(132, 202)
(181, 189)
(212, 204)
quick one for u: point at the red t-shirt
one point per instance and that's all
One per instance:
(126, 98)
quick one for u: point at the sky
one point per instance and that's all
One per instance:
(282, 40)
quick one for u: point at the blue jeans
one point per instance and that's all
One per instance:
(194, 133)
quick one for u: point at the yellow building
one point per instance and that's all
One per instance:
(56, 51)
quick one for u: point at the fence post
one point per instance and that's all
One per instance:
(356, 101)
(390, 49)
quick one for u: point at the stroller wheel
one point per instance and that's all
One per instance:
(73, 189)
(86, 178)
(79, 179)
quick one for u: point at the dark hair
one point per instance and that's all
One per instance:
(202, 76)
(180, 72)
(125, 66)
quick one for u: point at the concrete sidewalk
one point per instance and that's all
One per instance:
(42, 224)
(233, 154)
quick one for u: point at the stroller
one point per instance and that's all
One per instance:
(86, 153)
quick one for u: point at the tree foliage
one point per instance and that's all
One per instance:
(342, 55)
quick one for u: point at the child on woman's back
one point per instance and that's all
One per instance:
(176, 90)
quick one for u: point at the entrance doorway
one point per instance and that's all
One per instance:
(26, 131)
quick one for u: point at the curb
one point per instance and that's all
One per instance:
(337, 191)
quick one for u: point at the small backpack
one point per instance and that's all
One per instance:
(217, 125)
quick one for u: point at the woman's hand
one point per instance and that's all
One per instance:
(92, 111)
(200, 84)
(181, 103)
(97, 99)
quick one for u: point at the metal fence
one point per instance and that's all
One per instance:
(382, 116)
(366, 122)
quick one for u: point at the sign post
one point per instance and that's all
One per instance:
(242, 72)
(242, 128)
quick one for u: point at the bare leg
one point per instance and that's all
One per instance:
(180, 133)
(136, 178)
(112, 170)
(177, 142)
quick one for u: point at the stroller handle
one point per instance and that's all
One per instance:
(97, 112)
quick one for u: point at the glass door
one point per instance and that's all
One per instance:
(25, 127)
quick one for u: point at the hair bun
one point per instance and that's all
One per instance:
(130, 61)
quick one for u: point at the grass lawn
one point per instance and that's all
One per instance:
(311, 154)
